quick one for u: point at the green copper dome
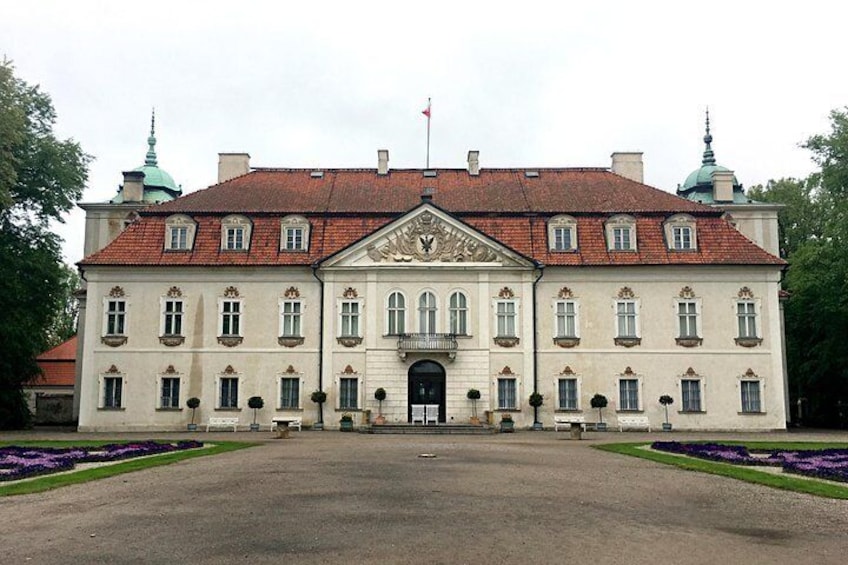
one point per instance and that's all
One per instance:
(698, 186)
(159, 186)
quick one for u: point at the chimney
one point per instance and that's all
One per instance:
(232, 165)
(382, 161)
(133, 189)
(628, 165)
(474, 163)
(723, 186)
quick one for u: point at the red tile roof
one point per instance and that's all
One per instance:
(58, 365)
(346, 205)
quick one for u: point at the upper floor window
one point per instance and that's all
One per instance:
(562, 233)
(290, 316)
(350, 318)
(230, 323)
(172, 317)
(627, 318)
(680, 233)
(427, 313)
(458, 313)
(687, 319)
(294, 234)
(235, 233)
(179, 233)
(621, 233)
(566, 318)
(396, 313)
(506, 314)
(746, 319)
(116, 316)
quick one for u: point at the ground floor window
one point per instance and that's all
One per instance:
(170, 393)
(506, 394)
(690, 392)
(112, 392)
(229, 392)
(751, 396)
(349, 394)
(289, 393)
(567, 394)
(628, 394)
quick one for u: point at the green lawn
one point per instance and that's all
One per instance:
(47, 482)
(740, 472)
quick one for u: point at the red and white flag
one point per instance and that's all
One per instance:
(426, 111)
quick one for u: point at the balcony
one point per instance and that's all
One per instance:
(427, 343)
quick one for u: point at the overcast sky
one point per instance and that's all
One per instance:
(525, 83)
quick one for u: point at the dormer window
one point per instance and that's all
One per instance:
(680, 233)
(179, 233)
(562, 233)
(621, 233)
(294, 234)
(235, 233)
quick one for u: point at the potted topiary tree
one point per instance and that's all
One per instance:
(193, 403)
(665, 400)
(346, 423)
(474, 395)
(380, 395)
(599, 401)
(507, 424)
(256, 403)
(319, 397)
(536, 400)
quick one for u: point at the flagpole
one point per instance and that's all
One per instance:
(428, 133)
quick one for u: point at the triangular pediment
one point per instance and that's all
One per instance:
(427, 235)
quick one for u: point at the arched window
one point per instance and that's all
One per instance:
(458, 313)
(396, 314)
(427, 313)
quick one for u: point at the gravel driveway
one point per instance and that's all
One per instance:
(328, 497)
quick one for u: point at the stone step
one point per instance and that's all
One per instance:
(441, 429)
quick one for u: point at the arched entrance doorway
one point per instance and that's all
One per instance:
(426, 386)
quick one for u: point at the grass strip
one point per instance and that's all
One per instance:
(742, 473)
(48, 482)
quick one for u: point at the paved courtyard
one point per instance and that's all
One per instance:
(328, 497)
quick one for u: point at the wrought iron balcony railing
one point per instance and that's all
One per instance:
(432, 343)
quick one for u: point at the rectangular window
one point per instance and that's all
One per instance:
(507, 394)
(116, 315)
(751, 396)
(621, 239)
(235, 238)
(289, 393)
(229, 392)
(112, 391)
(506, 318)
(563, 239)
(173, 323)
(682, 237)
(291, 318)
(746, 315)
(348, 394)
(628, 392)
(294, 239)
(179, 237)
(567, 394)
(350, 319)
(626, 317)
(231, 318)
(687, 318)
(170, 397)
(566, 318)
(690, 391)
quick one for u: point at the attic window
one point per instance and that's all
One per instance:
(531, 174)
(680, 233)
(179, 233)
(430, 174)
(562, 233)
(621, 233)
(235, 233)
(317, 174)
(294, 234)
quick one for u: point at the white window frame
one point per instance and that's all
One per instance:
(295, 317)
(562, 224)
(427, 314)
(358, 398)
(636, 309)
(221, 313)
(164, 314)
(359, 317)
(396, 319)
(701, 393)
(102, 385)
(288, 225)
(741, 381)
(458, 314)
(515, 315)
(123, 315)
(639, 393)
(674, 226)
(160, 383)
(297, 377)
(235, 222)
(621, 222)
(516, 393)
(754, 303)
(578, 392)
(697, 314)
(575, 315)
(219, 382)
(174, 224)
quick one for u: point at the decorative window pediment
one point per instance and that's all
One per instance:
(562, 233)
(621, 233)
(680, 233)
(235, 233)
(294, 234)
(179, 233)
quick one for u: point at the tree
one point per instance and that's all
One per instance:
(41, 177)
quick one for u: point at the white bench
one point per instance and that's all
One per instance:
(223, 422)
(567, 421)
(640, 422)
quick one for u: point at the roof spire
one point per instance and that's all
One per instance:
(150, 159)
(709, 156)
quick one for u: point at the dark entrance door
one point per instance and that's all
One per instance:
(426, 386)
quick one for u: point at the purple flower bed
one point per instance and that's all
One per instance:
(22, 462)
(831, 464)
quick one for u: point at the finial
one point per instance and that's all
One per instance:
(150, 159)
(709, 156)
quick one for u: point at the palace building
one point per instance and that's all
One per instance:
(570, 282)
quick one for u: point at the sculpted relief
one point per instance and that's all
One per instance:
(427, 239)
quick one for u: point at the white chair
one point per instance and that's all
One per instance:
(432, 414)
(417, 413)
